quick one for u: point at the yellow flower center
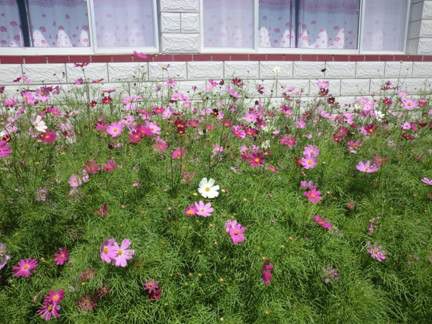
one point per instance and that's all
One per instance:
(207, 189)
(120, 252)
(105, 249)
(26, 266)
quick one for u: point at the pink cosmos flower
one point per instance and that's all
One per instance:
(236, 231)
(367, 167)
(114, 129)
(153, 290)
(288, 140)
(311, 151)
(61, 256)
(54, 296)
(324, 223)
(308, 162)
(234, 94)
(309, 185)
(107, 253)
(313, 195)
(160, 145)
(92, 167)
(267, 273)
(74, 181)
(203, 209)
(301, 123)
(5, 149)
(48, 137)
(217, 150)
(24, 268)
(238, 131)
(427, 181)
(376, 252)
(110, 166)
(190, 210)
(409, 104)
(47, 311)
(10, 102)
(322, 84)
(122, 253)
(178, 153)
(353, 146)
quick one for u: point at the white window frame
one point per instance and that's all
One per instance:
(261, 50)
(92, 49)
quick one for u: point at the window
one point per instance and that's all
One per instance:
(77, 25)
(305, 24)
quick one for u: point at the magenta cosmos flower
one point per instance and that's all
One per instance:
(122, 253)
(5, 149)
(61, 256)
(48, 311)
(236, 231)
(324, 223)
(311, 151)
(427, 181)
(367, 167)
(308, 162)
(203, 209)
(24, 268)
(114, 129)
(107, 253)
(190, 210)
(313, 195)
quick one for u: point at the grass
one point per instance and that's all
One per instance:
(204, 277)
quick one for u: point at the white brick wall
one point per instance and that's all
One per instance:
(180, 43)
(93, 71)
(40, 73)
(355, 87)
(127, 71)
(190, 23)
(180, 5)
(205, 70)
(370, 70)
(170, 22)
(340, 70)
(309, 69)
(245, 70)
(9, 72)
(273, 69)
(166, 70)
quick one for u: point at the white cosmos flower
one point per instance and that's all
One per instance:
(207, 188)
(39, 124)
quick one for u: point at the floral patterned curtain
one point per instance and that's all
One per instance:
(10, 30)
(384, 25)
(276, 23)
(124, 23)
(228, 23)
(59, 23)
(328, 24)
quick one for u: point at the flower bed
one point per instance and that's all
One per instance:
(148, 204)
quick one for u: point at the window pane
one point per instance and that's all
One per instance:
(384, 25)
(10, 30)
(276, 21)
(228, 23)
(328, 24)
(59, 23)
(124, 23)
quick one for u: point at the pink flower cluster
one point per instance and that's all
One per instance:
(312, 193)
(252, 155)
(91, 167)
(199, 208)
(267, 273)
(310, 157)
(324, 223)
(376, 252)
(236, 231)
(51, 305)
(5, 149)
(118, 255)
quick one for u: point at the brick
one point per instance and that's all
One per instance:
(308, 69)
(118, 72)
(244, 70)
(370, 70)
(170, 22)
(180, 43)
(414, 86)
(45, 73)
(190, 23)
(283, 85)
(398, 69)
(180, 5)
(340, 70)
(93, 71)
(425, 46)
(205, 70)
(355, 87)
(422, 69)
(9, 72)
(267, 69)
(163, 71)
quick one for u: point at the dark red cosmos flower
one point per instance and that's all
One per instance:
(180, 125)
(106, 100)
(152, 289)
(387, 101)
(340, 134)
(91, 167)
(103, 210)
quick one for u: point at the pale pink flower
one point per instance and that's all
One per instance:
(114, 129)
(427, 181)
(308, 162)
(236, 231)
(203, 209)
(376, 252)
(122, 253)
(107, 253)
(367, 167)
(178, 153)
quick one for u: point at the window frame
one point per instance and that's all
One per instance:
(92, 49)
(329, 51)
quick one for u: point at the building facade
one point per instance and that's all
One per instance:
(357, 45)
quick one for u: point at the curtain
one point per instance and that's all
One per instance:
(329, 23)
(124, 23)
(59, 23)
(384, 25)
(10, 30)
(228, 23)
(276, 21)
